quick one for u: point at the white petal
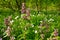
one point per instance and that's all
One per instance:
(16, 17)
(35, 31)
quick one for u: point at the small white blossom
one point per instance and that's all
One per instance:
(11, 21)
(25, 28)
(32, 15)
(16, 17)
(35, 31)
(41, 21)
(50, 20)
(32, 25)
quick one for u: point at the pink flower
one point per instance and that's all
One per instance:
(0, 38)
(56, 32)
(23, 8)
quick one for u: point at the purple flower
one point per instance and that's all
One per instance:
(0, 38)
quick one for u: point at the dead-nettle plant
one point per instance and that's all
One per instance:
(8, 25)
(55, 32)
(42, 36)
(25, 11)
(10, 18)
(6, 21)
(23, 8)
(27, 16)
(12, 38)
(8, 31)
(54, 36)
(28, 12)
(45, 25)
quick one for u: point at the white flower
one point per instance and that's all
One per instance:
(38, 14)
(32, 25)
(11, 21)
(50, 20)
(25, 28)
(32, 15)
(35, 31)
(16, 17)
(41, 21)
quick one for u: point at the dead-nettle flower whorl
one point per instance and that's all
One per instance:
(28, 12)
(25, 17)
(6, 21)
(56, 32)
(23, 8)
(0, 38)
(54, 39)
(12, 38)
(10, 18)
(23, 4)
(43, 23)
(42, 36)
(8, 31)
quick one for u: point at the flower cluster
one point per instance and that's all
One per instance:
(55, 32)
(23, 8)
(54, 36)
(8, 21)
(26, 11)
(8, 31)
(27, 16)
(12, 38)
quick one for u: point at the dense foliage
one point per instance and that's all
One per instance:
(34, 20)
